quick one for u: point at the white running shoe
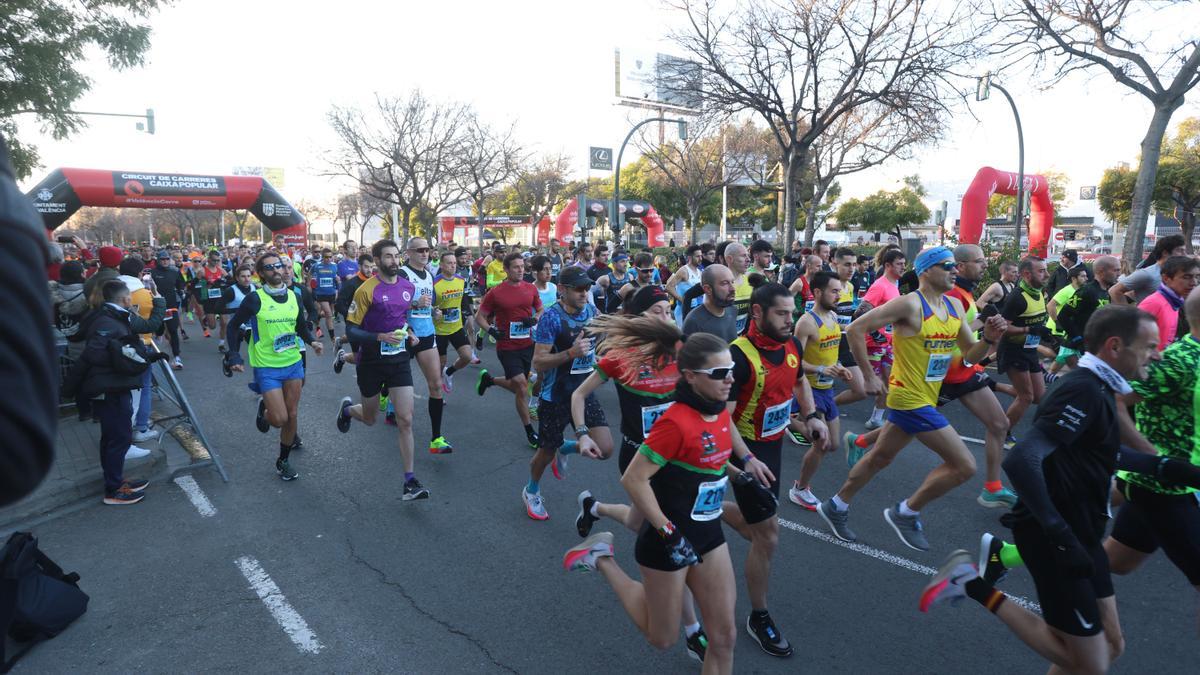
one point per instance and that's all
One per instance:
(177, 363)
(147, 435)
(134, 452)
(447, 382)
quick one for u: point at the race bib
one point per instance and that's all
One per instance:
(844, 319)
(709, 498)
(517, 330)
(935, 370)
(1032, 341)
(214, 293)
(584, 364)
(824, 379)
(420, 312)
(284, 342)
(386, 349)
(809, 304)
(741, 324)
(325, 282)
(650, 415)
(451, 315)
(554, 269)
(775, 419)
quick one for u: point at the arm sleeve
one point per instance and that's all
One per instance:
(1024, 468)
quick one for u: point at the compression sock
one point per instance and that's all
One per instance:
(449, 370)
(532, 487)
(839, 504)
(569, 448)
(691, 629)
(906, 510)
(1010, 557)
(285, 449)
(435, 416)
(993, 486)
(408, 475)
(984, 593)
(861, 441)
(529, 430)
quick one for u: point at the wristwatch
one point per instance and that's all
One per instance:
(816, 413)
(581, 430)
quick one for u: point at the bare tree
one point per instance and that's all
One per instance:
(404, 151)
(539, 187)
(1100, 35)
(802, 65)
(692, 166)
(489, 158)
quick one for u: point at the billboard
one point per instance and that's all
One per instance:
(654, 78)
(273, 174)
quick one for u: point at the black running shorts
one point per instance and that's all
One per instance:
(625, 454)
(516, 361)
(553, 416)
(424, 344)
(1068, 603)
(649, 551)
(457, 339)
(769, 453)
(1015, 357)
(845, 356)
(955, 390)
(1149, 520)
(380, 375)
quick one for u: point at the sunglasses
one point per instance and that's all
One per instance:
(419, 250)
(719, 373)
(274, 266)
(949, 266)
(642, 270)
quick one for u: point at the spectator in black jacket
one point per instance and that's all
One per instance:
(1061, 277)
(113, 362)
(29, 398)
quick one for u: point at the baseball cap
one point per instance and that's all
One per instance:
(163, 255)
(574, 277)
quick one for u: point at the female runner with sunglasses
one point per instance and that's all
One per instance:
(678, 479)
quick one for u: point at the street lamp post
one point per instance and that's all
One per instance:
(981, 94)
(616, 203)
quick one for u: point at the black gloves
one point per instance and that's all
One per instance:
(679, 549)
(494, 332)
(755, 500)
(989, 311)
(1072, 558)
(1075, 342)
(529, 323)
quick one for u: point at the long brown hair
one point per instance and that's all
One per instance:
(637, 341)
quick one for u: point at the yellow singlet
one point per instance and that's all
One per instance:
(823, 351)
(922, 359)
(741, 302)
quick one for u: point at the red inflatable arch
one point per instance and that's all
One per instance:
(564, 224)
(989, 181)
(64, 191)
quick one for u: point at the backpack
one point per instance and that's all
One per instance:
(37, 601)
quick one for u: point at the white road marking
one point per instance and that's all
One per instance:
(976, 441)
(196, 496)
(288, 618)
(898, 561)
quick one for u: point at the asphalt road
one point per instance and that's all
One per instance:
(353, 579)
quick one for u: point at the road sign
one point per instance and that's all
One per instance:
(1058, 236)
(1087, 192)
(600, 158)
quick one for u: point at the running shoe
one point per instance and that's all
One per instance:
(147, 435)
(583, 555)
(439, 446)
(297, 444)
(226, 369)
(177, 364)
(872, 424)
(484, 381)
(390, 419)
(764, 632)
(853, 452)
(697, 645)
(260, 419)
(124, 495)
(1010, 442)
(136, 484)
(796, 438)
(908, 528)
(414, 490)
(222, 347)
(206, 333)
(803, 497)
(320, 334)
(383, 401)
(559, 466)
(949, 584)
(479, 343)
(585, 519)
(339, 361)
(285, 470)
(531, 437)
(343, 417)
(991, 567)
(135, 452)
(534, 506)
(837, 521)
(447, 382)
(1000, 499)
(475, 360)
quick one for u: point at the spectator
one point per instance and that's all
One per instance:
(168, 280)
(1179, 277)
(147, 310)
(1145, 281)
(110, 258)
(69, 302)
(1062, 274)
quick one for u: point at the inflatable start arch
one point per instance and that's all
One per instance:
(58, 196)
(989, 181)
(564, 224)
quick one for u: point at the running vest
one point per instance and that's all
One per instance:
(741, 302)
(1034, 315)
(420, 318)
(273, 340)
(959, 371)
(548, 296)
(495, 273)
(922, 360)
(763, 413)
(612, 301)
(238, 296)
(681, 288)
(325, 277)
(448, 294)
(823, 351)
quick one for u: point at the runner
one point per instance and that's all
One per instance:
(508, 313)
(1075, 313)
(325, 284)
(366, 269)
(1179, 275)
(348, 266)
(879, 344)
(170, 282)
(737, 260)
(844, 261)
(678, 480)
(548, 292)
(645, 274)
(683, 280)
(378, 325)
(716, 315)
(209, 284)
(471, 292)
(1062, 471)
(819, 335)
(1066, 357)
(420, 321)
(563, 352)
(276, 319)
(1017, 356)
(766, 377)
(448, 295)
(613, 282)
(997, 294)
(232, 297)
(926, 328)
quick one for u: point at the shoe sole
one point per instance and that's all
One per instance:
(141, 489)
(985, 547)
(939, 582)
(763, 647)
(342, 418)
(887, 515)
(992, 504)
(801, 503)
(579, 520)
(832, 527)
(558, 474)
(441, 451)
(124, 502)
(286, 478)
(578, 551)
(413, 496)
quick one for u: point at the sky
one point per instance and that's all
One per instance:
(250, 82)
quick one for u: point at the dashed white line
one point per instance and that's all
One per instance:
(196, 496)
(898, 561)
(288, 618)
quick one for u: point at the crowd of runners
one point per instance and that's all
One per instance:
(725, 352)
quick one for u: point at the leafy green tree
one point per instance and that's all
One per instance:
(42, 44)
(1115, 197)
(886, 212)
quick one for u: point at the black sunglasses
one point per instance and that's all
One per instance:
(646, 270)
(419, 250)
(274, 266)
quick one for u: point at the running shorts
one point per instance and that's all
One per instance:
(457, 339)
(956, 390)
(1149, 520)
(917, 420)
(424, 344)
(1068, 603)
(845, 356)
(553, 416)
(266, 379)
(626, 453)
(1017, 358)
(823, 399)
(769, 453)
(324, 298)
(380, 376)
(649, 550)
(516, 361)
(882, 357)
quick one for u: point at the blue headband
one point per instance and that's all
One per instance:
(930, 257)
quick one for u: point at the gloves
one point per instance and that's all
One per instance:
(529, 323)
(158, 356)
(679, 549)
(494, 332)
(756, 501)
(1071, 556)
